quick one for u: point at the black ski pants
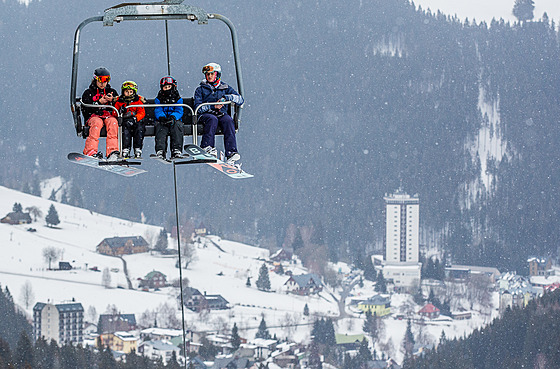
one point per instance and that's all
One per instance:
(174, 130)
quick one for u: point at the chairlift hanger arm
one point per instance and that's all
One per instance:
(165, 10)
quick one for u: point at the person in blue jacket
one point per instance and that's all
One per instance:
(213, 89)
(168, 119)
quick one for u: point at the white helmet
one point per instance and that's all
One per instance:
(212, 67)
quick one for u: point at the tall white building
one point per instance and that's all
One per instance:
(402, 232)
(61, 322)
(402, 222)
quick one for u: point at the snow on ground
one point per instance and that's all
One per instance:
(219, 267)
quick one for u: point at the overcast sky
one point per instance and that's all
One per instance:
(488, 9)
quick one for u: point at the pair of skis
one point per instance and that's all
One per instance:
(127, 167)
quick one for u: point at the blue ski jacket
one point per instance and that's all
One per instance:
(206, 92)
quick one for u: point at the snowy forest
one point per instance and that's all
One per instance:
(345, 102)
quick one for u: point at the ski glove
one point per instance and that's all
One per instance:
(129, 122)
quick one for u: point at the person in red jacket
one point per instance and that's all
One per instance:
(100, 92)
(130, 106)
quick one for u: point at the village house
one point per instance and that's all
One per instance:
(281, 255)
(119, 341)
(429, 311)
(349, 341)
(515, 291)
(539, 266)
(111, 323)
(377, 305)
(158, 334)
(117, 246)
(201, 230)
(153, 279)
(16, 218)
(196, 301)
(304, 284)
(161, 349)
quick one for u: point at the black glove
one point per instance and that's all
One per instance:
(129, 122)
(128, 114)
(170, 121)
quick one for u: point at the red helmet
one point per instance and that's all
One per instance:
(167, 80)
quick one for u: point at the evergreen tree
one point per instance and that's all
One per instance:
(263, 282)
(17, 208)
(298, 244)
(369, 271)
(235, 339)
(172, 363)
(381, 285)
(262, 332)
(161, 243)
(306, 310)
(248, 283)
(5, 354)
(363, 352)
(523, 10)
(24, 353)
(52, 217)
(408, 342)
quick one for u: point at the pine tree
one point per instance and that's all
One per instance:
(408, 342)
(263, 282)
(235, 339)
(369, 271)
(17, 208)
(523, 10)
(306, 310)
(381, 285)
(52, 217)
(161, 243)
(248, 283)
(24, 353)
(262, 332)
(363, 352)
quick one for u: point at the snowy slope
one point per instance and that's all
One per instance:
(220, 267)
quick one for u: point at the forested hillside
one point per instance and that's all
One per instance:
(345, 103)
(522, 338)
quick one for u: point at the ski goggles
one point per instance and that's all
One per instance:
(167, 81)
(130, 86)
(208, 69)
(103, 79)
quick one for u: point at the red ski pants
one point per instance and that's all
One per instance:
(95, 124)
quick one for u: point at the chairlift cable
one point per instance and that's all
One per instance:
(180, 266)
(167, 44)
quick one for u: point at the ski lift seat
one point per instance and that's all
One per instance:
(150, 121)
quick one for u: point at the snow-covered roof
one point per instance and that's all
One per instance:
(162, 332)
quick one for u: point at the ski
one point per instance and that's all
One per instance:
(121, 167)
(228, 169)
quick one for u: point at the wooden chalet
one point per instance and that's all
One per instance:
(117, 246)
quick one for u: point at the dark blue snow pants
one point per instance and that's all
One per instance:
(211, 123)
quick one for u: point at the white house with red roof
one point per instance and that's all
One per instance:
(429, 311)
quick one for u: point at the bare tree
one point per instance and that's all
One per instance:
(148, 319)
(51, 254)
(188, 254)
(35, 212)
(106, 278)
(167, 316)
(479, 291)
(92, 314)
(27, 297)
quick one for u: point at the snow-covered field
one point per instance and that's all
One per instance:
(219, 267)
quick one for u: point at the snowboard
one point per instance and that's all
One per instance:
(121, 167)
(230, 170)
(183, 160)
